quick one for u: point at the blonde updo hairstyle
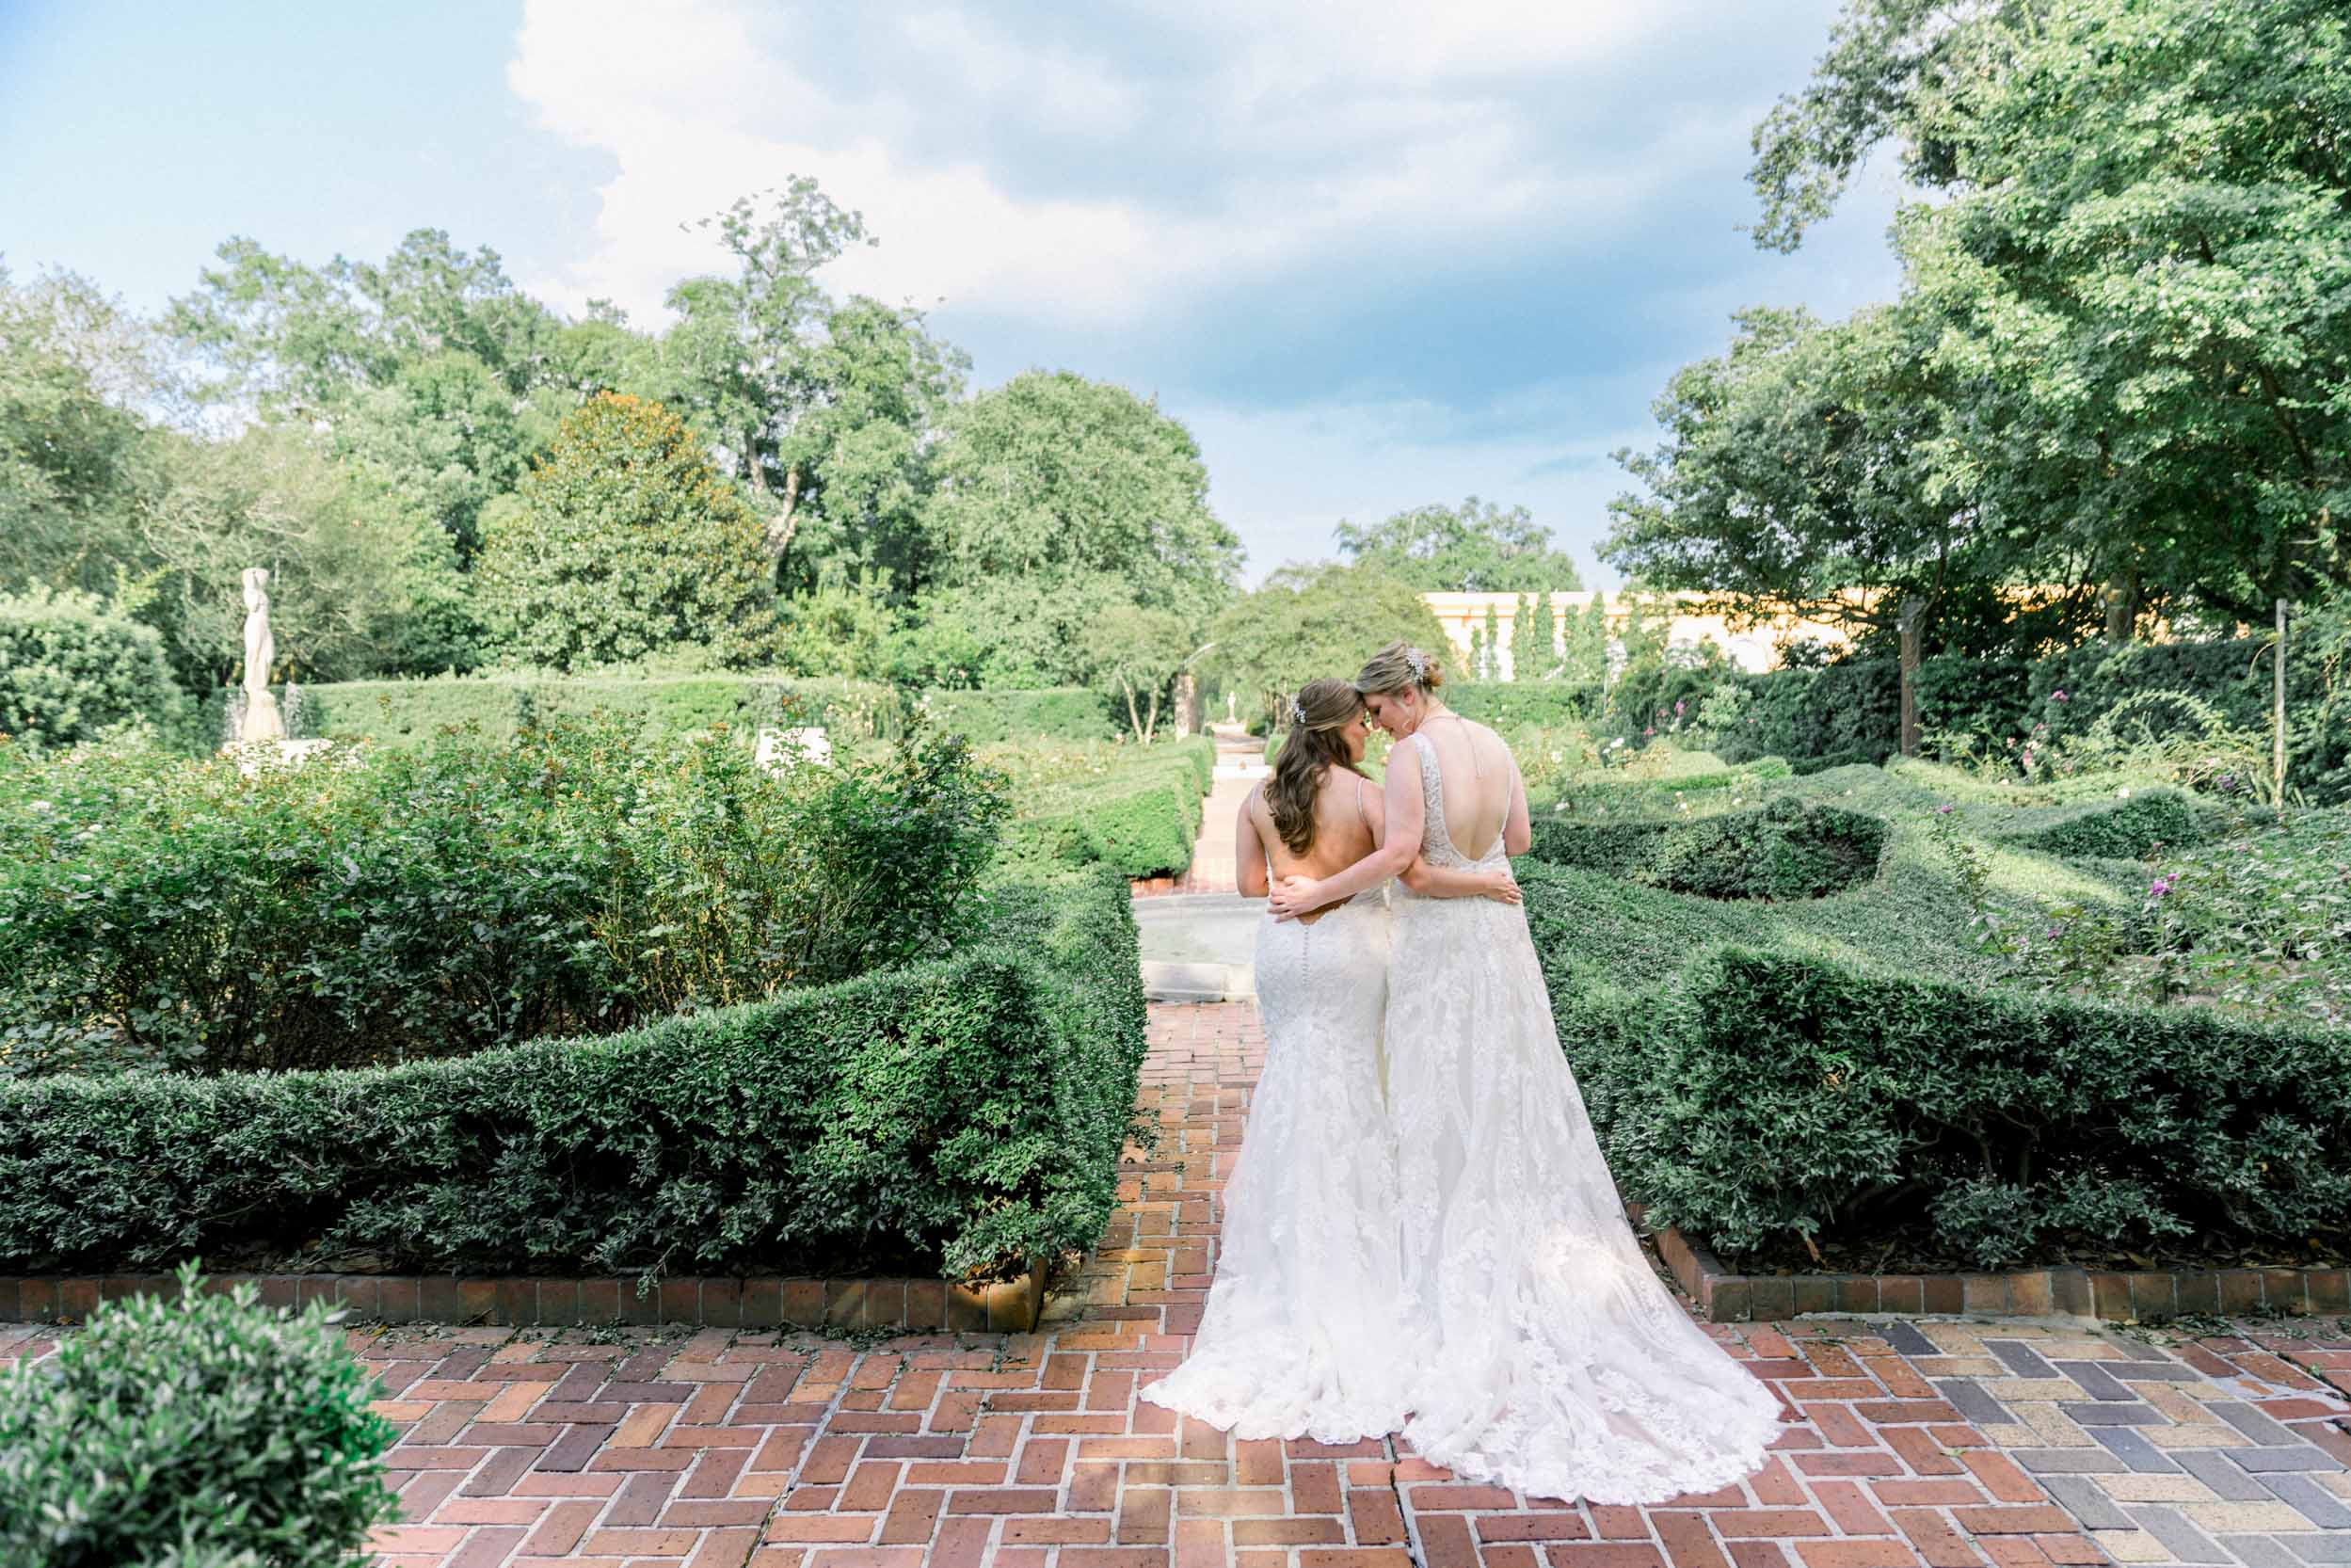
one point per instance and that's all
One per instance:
(1313, 748)
(1399, 666)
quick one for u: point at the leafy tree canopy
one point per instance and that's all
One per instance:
(1477, 546)
(2138, 268)
(1322, 618)
(625, 543)
(1054, 480)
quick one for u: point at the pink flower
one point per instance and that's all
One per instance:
(1677, 708)
(2161, 886)
(1648, 731)
(1945, 809)
(2057, 696)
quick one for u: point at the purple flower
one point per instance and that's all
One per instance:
(2055, 932)
(1945, 809)
(2158, 888)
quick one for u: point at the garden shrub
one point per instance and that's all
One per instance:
(1785, 849)
(1139, 818)
(2119, 829)
(458, 895)
(664, 708)
(1511, 705)
(987, 717)
(964, 1114)
(1781, 1096)
(71, 669)
(204, 1428)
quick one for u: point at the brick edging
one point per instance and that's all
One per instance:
(915, 1305)
(1724, 1297)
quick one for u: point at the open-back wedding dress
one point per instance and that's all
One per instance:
(1300, 1337)
(1551, 1359)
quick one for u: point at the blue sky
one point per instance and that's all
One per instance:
(1374, 255)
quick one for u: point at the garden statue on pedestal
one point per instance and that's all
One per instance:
(260, 721)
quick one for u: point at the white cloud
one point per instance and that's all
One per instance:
(1374, 254)
(1292, 134)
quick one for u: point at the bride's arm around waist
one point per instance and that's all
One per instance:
(1459, 882)
(1396, 839)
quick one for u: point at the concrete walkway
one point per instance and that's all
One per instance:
(1199, 938)
(1938, 1444)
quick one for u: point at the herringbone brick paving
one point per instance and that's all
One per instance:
(1952, 1445)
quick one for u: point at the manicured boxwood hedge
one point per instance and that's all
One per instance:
(2118, 829)
(1056, 713)
(966, 1114)
(1140, 821)
(1766, 1094)
(406, 712)
(1783, 850)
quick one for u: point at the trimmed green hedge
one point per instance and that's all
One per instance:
(2118, 829)
(1788, 849)
(1059, 714)
(407, 713)
(966, 1114)
(1768, 1095)
(1141, 821)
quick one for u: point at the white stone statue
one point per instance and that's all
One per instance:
(261, 721)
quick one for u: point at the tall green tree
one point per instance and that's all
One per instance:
(624, 543)
(1057, 489)
(1322, 618)
(823, 407)
(1137, 654)
(431, 367)
(1477, 546)
(76, 460)
(2141, 250)
(1532, 653)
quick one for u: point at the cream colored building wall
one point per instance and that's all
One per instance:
(1754, 649)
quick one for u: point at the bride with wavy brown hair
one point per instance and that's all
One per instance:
(1300, 1337)
(1547, 1355)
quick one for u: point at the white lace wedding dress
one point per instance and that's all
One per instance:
(1300, 1337)
(1557, 1363)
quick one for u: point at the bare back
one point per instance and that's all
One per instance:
(1346, 828)
(1480, 782)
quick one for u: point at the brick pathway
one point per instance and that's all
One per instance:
(1951, 1445)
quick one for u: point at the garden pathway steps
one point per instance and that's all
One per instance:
(1936, 1443)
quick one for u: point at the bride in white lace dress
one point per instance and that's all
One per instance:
(1303, 1335)
(1554, 1361)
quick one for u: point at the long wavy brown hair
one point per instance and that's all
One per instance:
(1313, 748)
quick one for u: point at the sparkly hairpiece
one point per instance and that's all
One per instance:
(1297, 712)
(1419, 662)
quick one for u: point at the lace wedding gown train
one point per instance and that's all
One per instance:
(1300, 1337)
(1561, 1367)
